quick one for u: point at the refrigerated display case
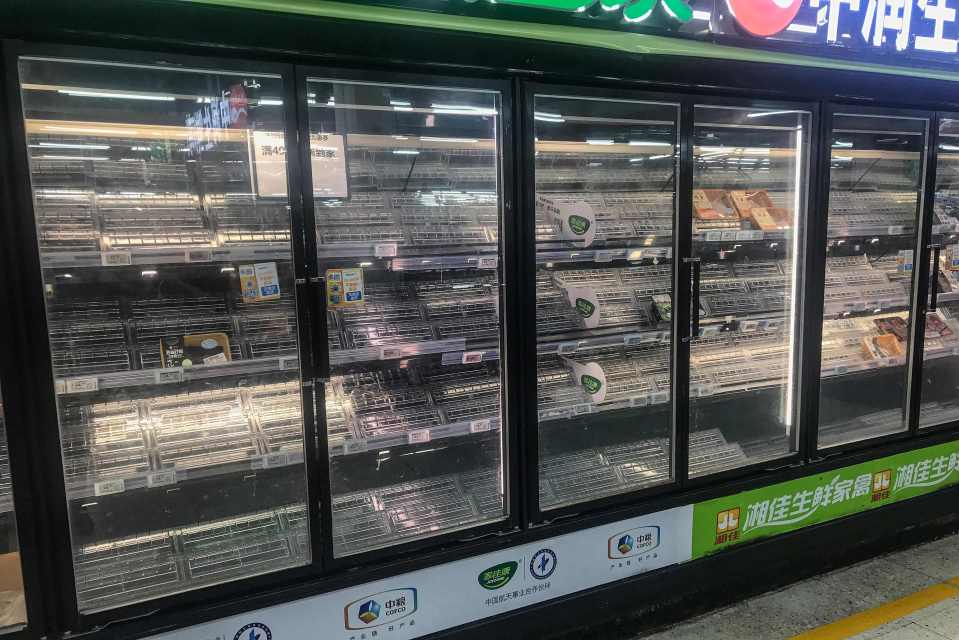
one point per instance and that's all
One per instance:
(408, 234)
(605, 178)
(750, 186)
(876, 186)
(164, 230)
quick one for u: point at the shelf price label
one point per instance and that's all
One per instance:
(472, 357)
(270, 460)
(82, 385)
(391, 353)
(109, 487)
(162, 478)
(198, 255)
(481, 426)
(168, 376)
(356, 446)
(116, 258)
(603, 255)
(487, 262)
(418, 436)
(385, 250)
(288, 362)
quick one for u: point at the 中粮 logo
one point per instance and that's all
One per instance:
(633, 542)
(254, 631)
(379, 609)
(542, 564)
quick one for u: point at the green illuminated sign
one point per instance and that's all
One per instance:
(633, 10)
(793, 505)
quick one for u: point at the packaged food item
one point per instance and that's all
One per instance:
(936, 328)
(758, 208)
(259, 282)
(344, 287)
(884, 346)
(663, 307)
(713, 209)
(904, 261)
(189, 350)
(895, 325)
(952, 257)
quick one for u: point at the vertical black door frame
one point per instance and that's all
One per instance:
(921, 275)
(33, 395)
(311, 319)
(816, 237)
(28, 489)
(682, 292)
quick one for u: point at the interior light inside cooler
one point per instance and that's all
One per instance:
(548, 117)
(65, 145)
(949, 147)
(841, 144)
(270, 102)
(636, 159)
(762, 114)
(649, 143)
(599, 141)
(457, 140)
(787, 415)
(57, 157)
(85, 93)
(406, 152)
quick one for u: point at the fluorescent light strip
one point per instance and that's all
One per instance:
(45, 157)
(649, 143)
(270, 102)
(463, 140)
(761, 114)
(65, 145)
(82, 93)
(406, 152)
(91, 130)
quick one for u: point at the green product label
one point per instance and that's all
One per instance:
(496, 577)
(592, 384)
(578, 224)
(796, 504)
(585, 307)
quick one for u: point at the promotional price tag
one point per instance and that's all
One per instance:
(390, 353)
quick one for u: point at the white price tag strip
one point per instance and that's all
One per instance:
(487, 262)
(109, 487)
(198, 255)
(603, 256)
(418, 436)
(357, 446)
(82, 385)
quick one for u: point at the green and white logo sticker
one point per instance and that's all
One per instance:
(591, 377)
(585, 307)
(497, 576)
(573, 220)
(586, 303)
(579, 224)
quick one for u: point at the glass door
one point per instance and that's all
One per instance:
(163, 221)
(605, 175)
(13, 609)
(750, 184)
(408, 205)
(940, 354)
(875, 198)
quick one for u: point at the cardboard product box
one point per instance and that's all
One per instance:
(713, 206)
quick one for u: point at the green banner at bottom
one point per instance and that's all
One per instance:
(788, 506)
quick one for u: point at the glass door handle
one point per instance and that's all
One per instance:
(320, 328)
(934, 277)
(695, 275)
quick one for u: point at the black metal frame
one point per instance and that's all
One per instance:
(47, 557)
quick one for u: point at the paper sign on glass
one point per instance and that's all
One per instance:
(328, 163)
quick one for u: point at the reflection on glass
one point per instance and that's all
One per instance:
(940, 356)
(749, 211)
(605, 189)
(406, 192)
(13, 611)
(164, 229)
(874, 201)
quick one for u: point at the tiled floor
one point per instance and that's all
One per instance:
(806, 606)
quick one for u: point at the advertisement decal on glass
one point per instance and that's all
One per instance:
(344, 288)
(573, 220)
(380, 609)
(591, 377)
(206, 124)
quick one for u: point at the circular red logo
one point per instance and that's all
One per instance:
(764, 17)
